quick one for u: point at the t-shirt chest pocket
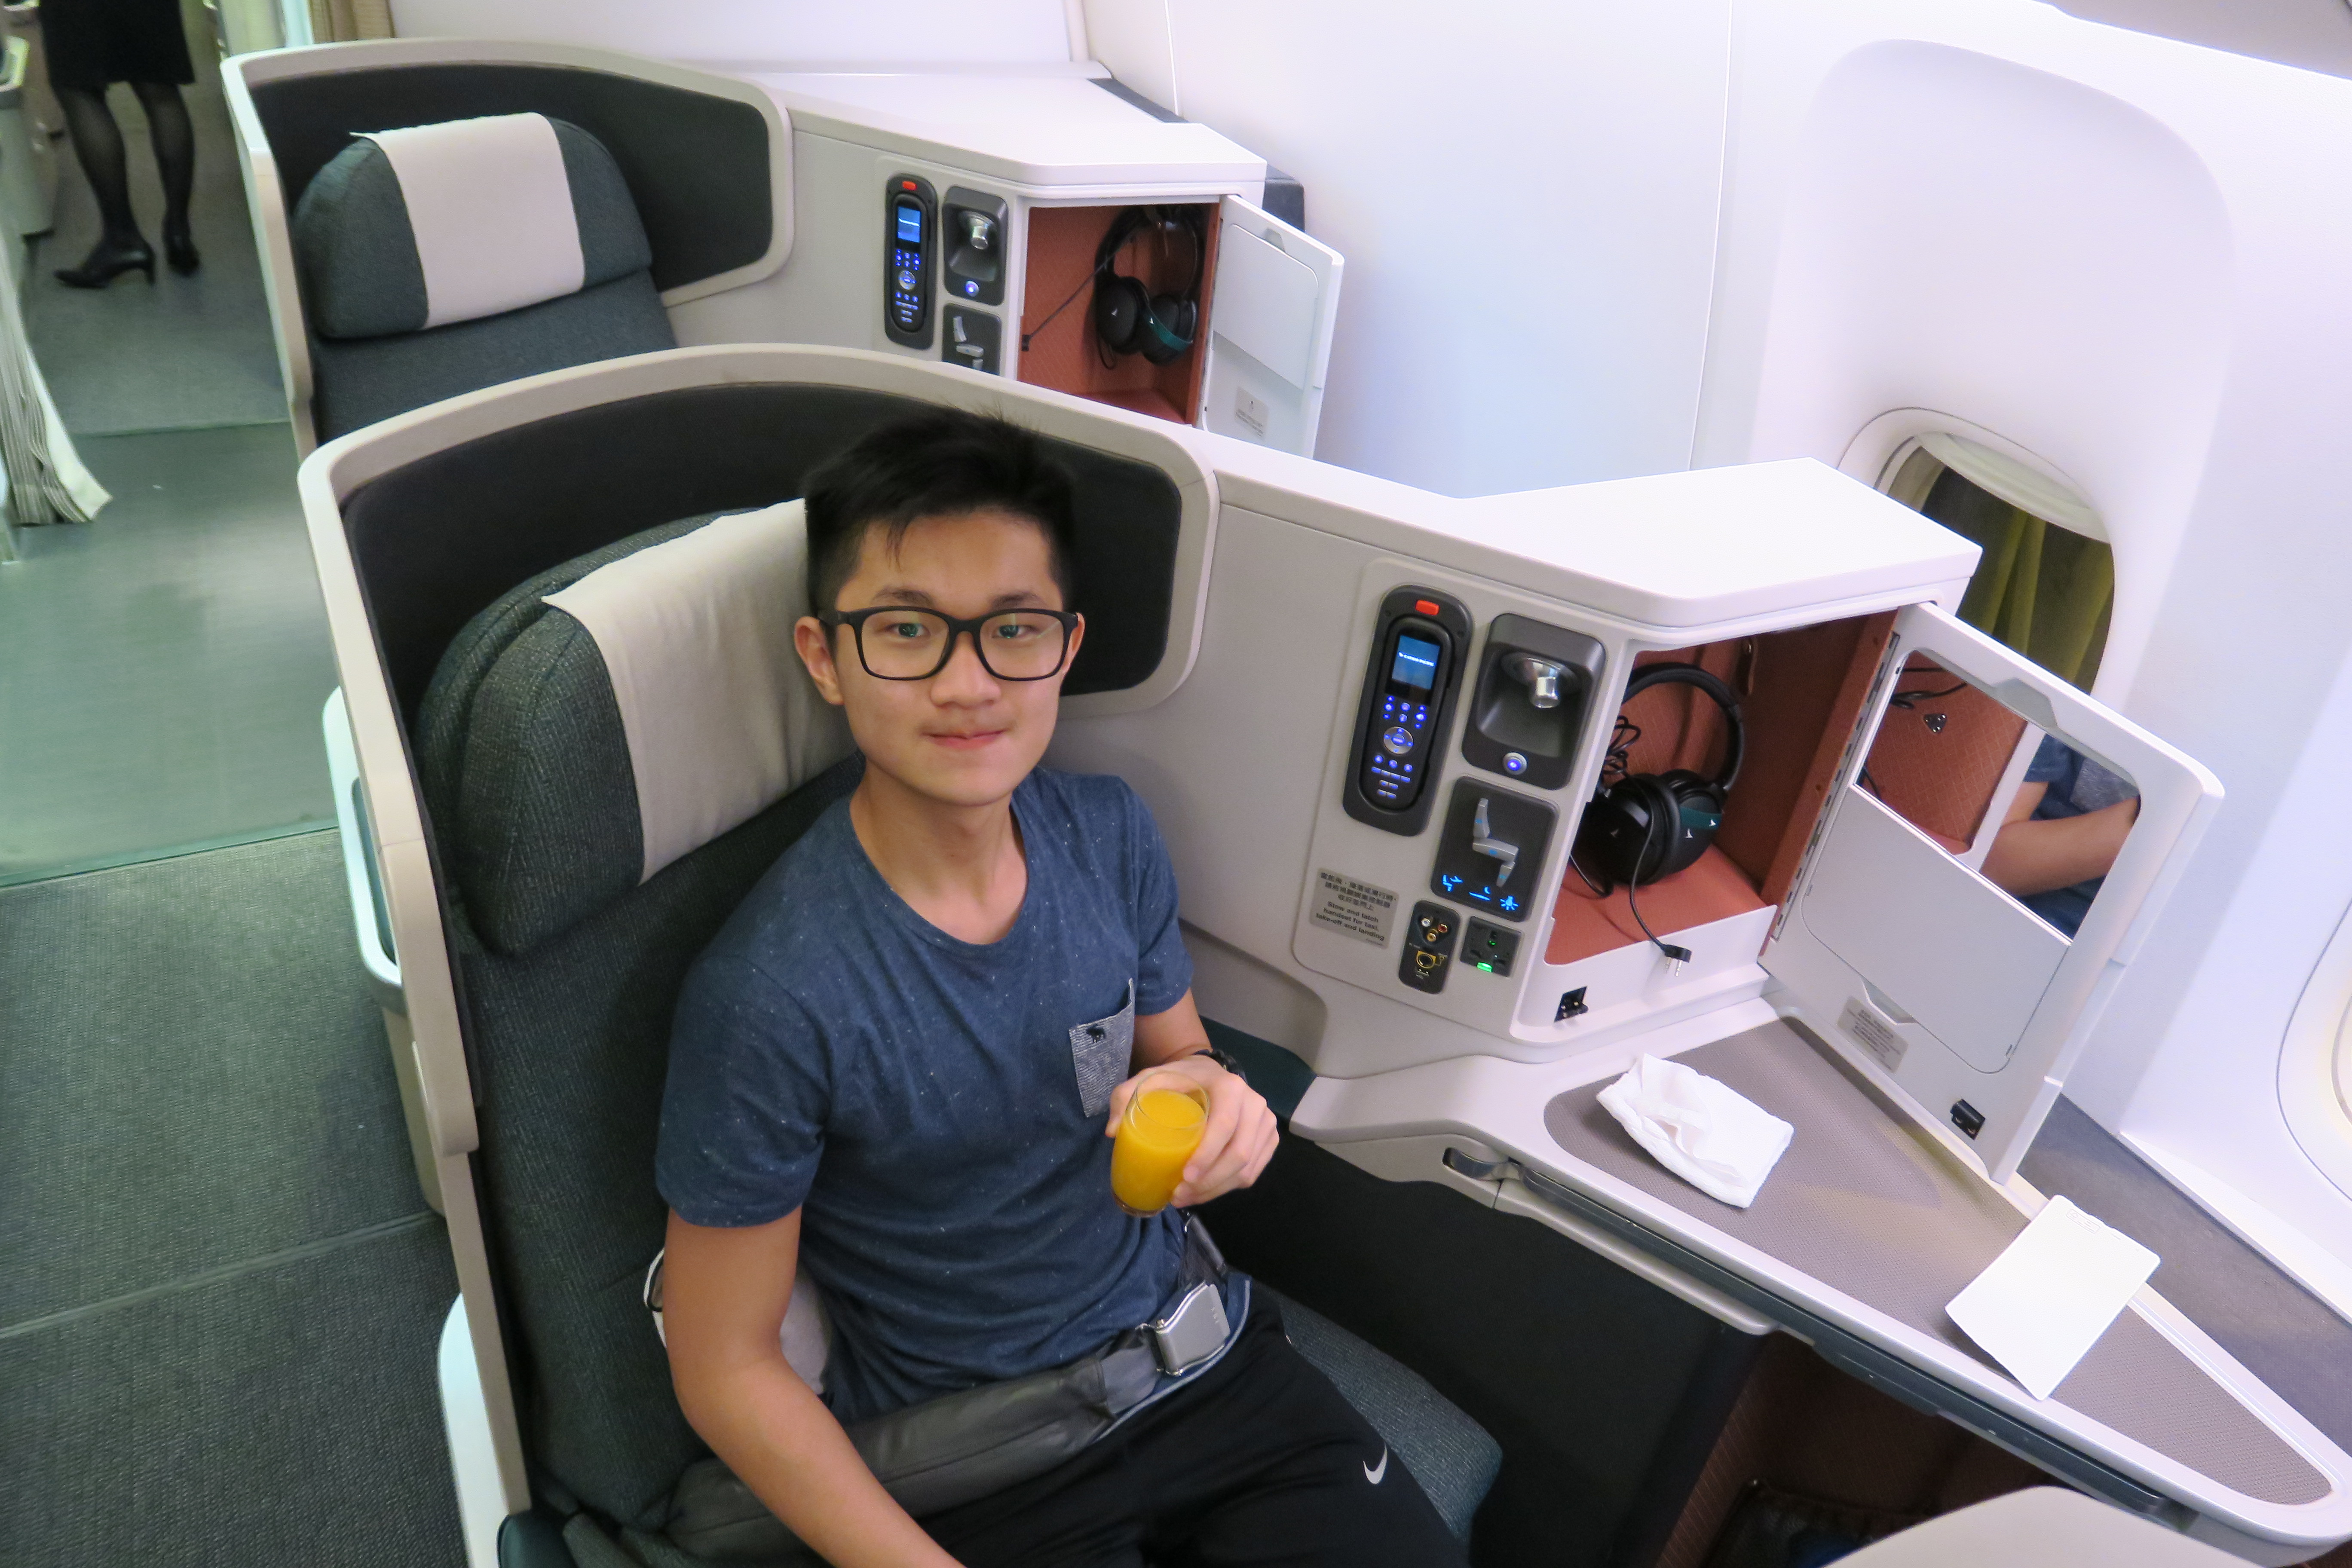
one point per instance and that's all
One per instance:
(1099, 1052)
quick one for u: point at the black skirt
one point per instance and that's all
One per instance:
(90, 43)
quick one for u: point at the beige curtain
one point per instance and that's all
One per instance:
(2045, 590)
(343, 21)
(45, 478)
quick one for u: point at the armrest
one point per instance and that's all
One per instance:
(371, 918)
(533, 1540)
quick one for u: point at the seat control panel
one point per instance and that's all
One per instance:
(973, 339)
(1491, 851)
(909, 222)
(1417, 653)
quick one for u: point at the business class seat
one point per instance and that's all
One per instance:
(547, 266)
(596, 805)
(435, 216)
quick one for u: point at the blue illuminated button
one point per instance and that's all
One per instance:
(1397, 739)
(1514, 763)
(971, 288)
(906, 280)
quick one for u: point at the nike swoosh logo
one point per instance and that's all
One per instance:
(1377, 1473)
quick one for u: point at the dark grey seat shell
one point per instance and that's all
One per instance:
(696, 165)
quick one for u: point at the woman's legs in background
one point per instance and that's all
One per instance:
(174, 140)
(98, 144)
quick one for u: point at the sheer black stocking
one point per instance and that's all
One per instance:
(175, 151)
(98, 143)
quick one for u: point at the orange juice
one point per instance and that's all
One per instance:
(1162, 1125)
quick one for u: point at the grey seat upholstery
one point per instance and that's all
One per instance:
(1451, 1456)
(570, 971)
(364, 301)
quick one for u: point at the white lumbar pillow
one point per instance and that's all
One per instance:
(490, 206)
(721, 717)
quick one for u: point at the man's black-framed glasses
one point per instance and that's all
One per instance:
(896, 642)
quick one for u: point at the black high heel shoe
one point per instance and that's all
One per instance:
(180, 251)
(107, 261)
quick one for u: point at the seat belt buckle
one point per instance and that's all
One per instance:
(1193, 1333)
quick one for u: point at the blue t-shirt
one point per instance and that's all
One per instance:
(2077, 785)
(935, 1106)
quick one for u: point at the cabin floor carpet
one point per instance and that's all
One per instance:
(163, 667)
(224, 1290)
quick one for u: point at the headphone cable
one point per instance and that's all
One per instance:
(1906, 699)
(1675, 956)
(1057, 309)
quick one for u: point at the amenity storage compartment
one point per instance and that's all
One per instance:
(1802, 693)
(1059, 347)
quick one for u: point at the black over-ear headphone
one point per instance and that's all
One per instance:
(1649, 826)
(1128, 318)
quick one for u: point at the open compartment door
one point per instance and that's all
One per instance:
(1929, 939)
(1270, 314)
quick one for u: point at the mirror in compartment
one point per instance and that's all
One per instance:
(1801, 695)
(2032, 815)
(1172, 256)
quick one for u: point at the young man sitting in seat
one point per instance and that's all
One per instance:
(891, 1067)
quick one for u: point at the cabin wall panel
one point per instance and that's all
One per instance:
(926, 32)
(1527, 200)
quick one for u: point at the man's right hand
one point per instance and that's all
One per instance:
(724, 1295)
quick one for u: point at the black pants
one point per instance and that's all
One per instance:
(1259, 1463)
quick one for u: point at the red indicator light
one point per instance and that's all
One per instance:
(905, 184)
(1423, 607)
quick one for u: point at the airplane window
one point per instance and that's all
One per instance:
(2034, 817)
(2343, 1066)
(2046, 584)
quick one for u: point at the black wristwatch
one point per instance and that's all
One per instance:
(1224, 1061)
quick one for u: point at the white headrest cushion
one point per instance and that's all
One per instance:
(491, 206)
(722, 720)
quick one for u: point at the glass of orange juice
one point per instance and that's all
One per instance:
(1162, 1126)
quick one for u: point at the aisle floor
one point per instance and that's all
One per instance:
(162, 667)
(217, 1328)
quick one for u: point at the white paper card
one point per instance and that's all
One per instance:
(2045, 1300)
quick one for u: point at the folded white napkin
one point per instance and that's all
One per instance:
(1700, 1129)
(2040, 1305)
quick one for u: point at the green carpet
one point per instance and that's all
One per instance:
(223, 1292)
(162, 668)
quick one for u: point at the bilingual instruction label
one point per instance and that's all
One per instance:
(1872, 1033)
(1354, 908)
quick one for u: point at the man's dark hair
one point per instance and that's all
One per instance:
(940, 463)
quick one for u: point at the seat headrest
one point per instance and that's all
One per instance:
(435, 224)
(607, 718)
